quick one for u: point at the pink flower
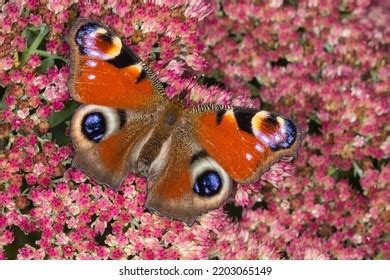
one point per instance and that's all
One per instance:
(196, 62)
(328, 71)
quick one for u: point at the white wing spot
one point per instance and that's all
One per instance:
(248, 156)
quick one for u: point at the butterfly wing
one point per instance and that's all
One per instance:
(183, 181)
(108, 141)
(215, 145)
(244, 141)
(107, 74)
(104, 71)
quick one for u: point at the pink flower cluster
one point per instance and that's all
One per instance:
(326, 63)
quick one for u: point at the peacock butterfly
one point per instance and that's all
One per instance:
(126, 124)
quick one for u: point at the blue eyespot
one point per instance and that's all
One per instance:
(289, 138)
(94, 126)
(83, 33)
(208, 183)
(291, 132)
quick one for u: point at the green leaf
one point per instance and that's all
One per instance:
(21, 239)
(50, 55)
(254, 85)
(334, 172)
(59, 117)
(59, 134)
(379, 256)
(313, 117)
(45, 65)
(328, 47)
(331, 170)
(135, 223)
(374, 75)
(33, 42)
(2, 96)
(357, 171)
(254, 90)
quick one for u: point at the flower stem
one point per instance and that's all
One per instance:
(53, 56)
(33, 48)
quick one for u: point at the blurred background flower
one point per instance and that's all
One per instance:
(325, 63)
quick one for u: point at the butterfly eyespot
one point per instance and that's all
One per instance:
(286, 138)
(83, 33)
(208, 183)
(91, 124)
(94, 126)
(291, 132)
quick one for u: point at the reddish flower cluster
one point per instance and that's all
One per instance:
(323, 62)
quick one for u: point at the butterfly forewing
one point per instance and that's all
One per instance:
(106, 72)
(245, 142)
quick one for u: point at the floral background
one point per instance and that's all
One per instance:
(325, 63)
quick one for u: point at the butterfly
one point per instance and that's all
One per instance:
(192, 156)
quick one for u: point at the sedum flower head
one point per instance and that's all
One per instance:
(323, 62)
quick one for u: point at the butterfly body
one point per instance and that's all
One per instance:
(169, 118)
(191, 156)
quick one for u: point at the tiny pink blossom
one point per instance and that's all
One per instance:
(308, 60)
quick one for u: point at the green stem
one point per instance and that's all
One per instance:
(46, 54)
(26, 55)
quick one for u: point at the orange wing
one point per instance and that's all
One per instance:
(107, 141)
(245, 142)
(105, 72)
(212, 146)
(183, 181)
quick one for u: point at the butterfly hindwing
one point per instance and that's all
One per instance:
(244, 141)
(108, 141)
(106, 72)
(184, 181)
